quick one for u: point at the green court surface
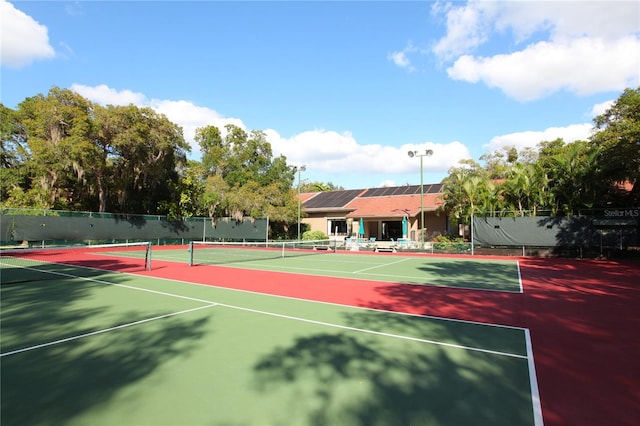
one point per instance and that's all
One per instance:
(82, 347)
(499, 275)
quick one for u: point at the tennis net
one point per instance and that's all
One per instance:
(216, 253)
(29, 263)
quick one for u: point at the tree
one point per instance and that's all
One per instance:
(318, 187)
(143, 151)
(573, 176)
(243, 177)
(525, 188)
(59, 150)
(190, 189)
(562, 177)
(13, 155)
(617, 139)
(213, 149)
(467, 190)
(58, 145)
(499, 161)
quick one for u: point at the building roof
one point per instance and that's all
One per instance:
(398, 201)
(392, 206)
(307, 195)
(331, 199)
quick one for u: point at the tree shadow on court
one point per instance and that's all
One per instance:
(53, 384)
(116, 264)
(58, 261)
(361, 379)
(494, 307)
(583, 316)
(472, 274)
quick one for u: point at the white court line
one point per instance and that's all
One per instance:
(378, 333)
(519, 276)
(536, 405)
(236, 290)
(95, 280)
(342, 305)
(380, 266)
(273, 314)
(344, 274)
(348, 275)
(93, 333)
(533, 380)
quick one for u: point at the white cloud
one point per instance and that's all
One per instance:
(401, 58)
(601, 108)
(24, 40)
(105, 95)
(335, 154)
(568, 19)
(544, 68)
(467, 27)
(530, 139)
(340, 153)
(190, 117)
(324, 151)
(444, 156)
(387, 183)
(317, 146)
(582, 47)
(184, 113)
(74, 9)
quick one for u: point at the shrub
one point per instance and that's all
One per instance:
(314, 235)
(442, 238)
(450, 244)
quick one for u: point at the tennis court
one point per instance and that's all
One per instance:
(317, 260)
(85, 345)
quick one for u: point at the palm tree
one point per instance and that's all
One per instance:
(525, 188)
(467, 190)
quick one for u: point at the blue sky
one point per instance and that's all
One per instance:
(345, 88)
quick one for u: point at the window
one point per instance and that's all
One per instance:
(391, 229)
(337, 226)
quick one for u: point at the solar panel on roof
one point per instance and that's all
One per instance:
(393, 190)
(343, 197)
(433, 188)
(408, 190)
(332, 199)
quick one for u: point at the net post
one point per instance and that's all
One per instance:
(472, 237)
(148, 256)
(190, 253)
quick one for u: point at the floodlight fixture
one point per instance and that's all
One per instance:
(427, 153)
(300, 170)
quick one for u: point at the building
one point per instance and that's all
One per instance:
(383, 214)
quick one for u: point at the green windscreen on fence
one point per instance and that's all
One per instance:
(550, 231)
(54, 226)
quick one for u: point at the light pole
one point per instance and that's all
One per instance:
(427, 153)
(299, 170)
